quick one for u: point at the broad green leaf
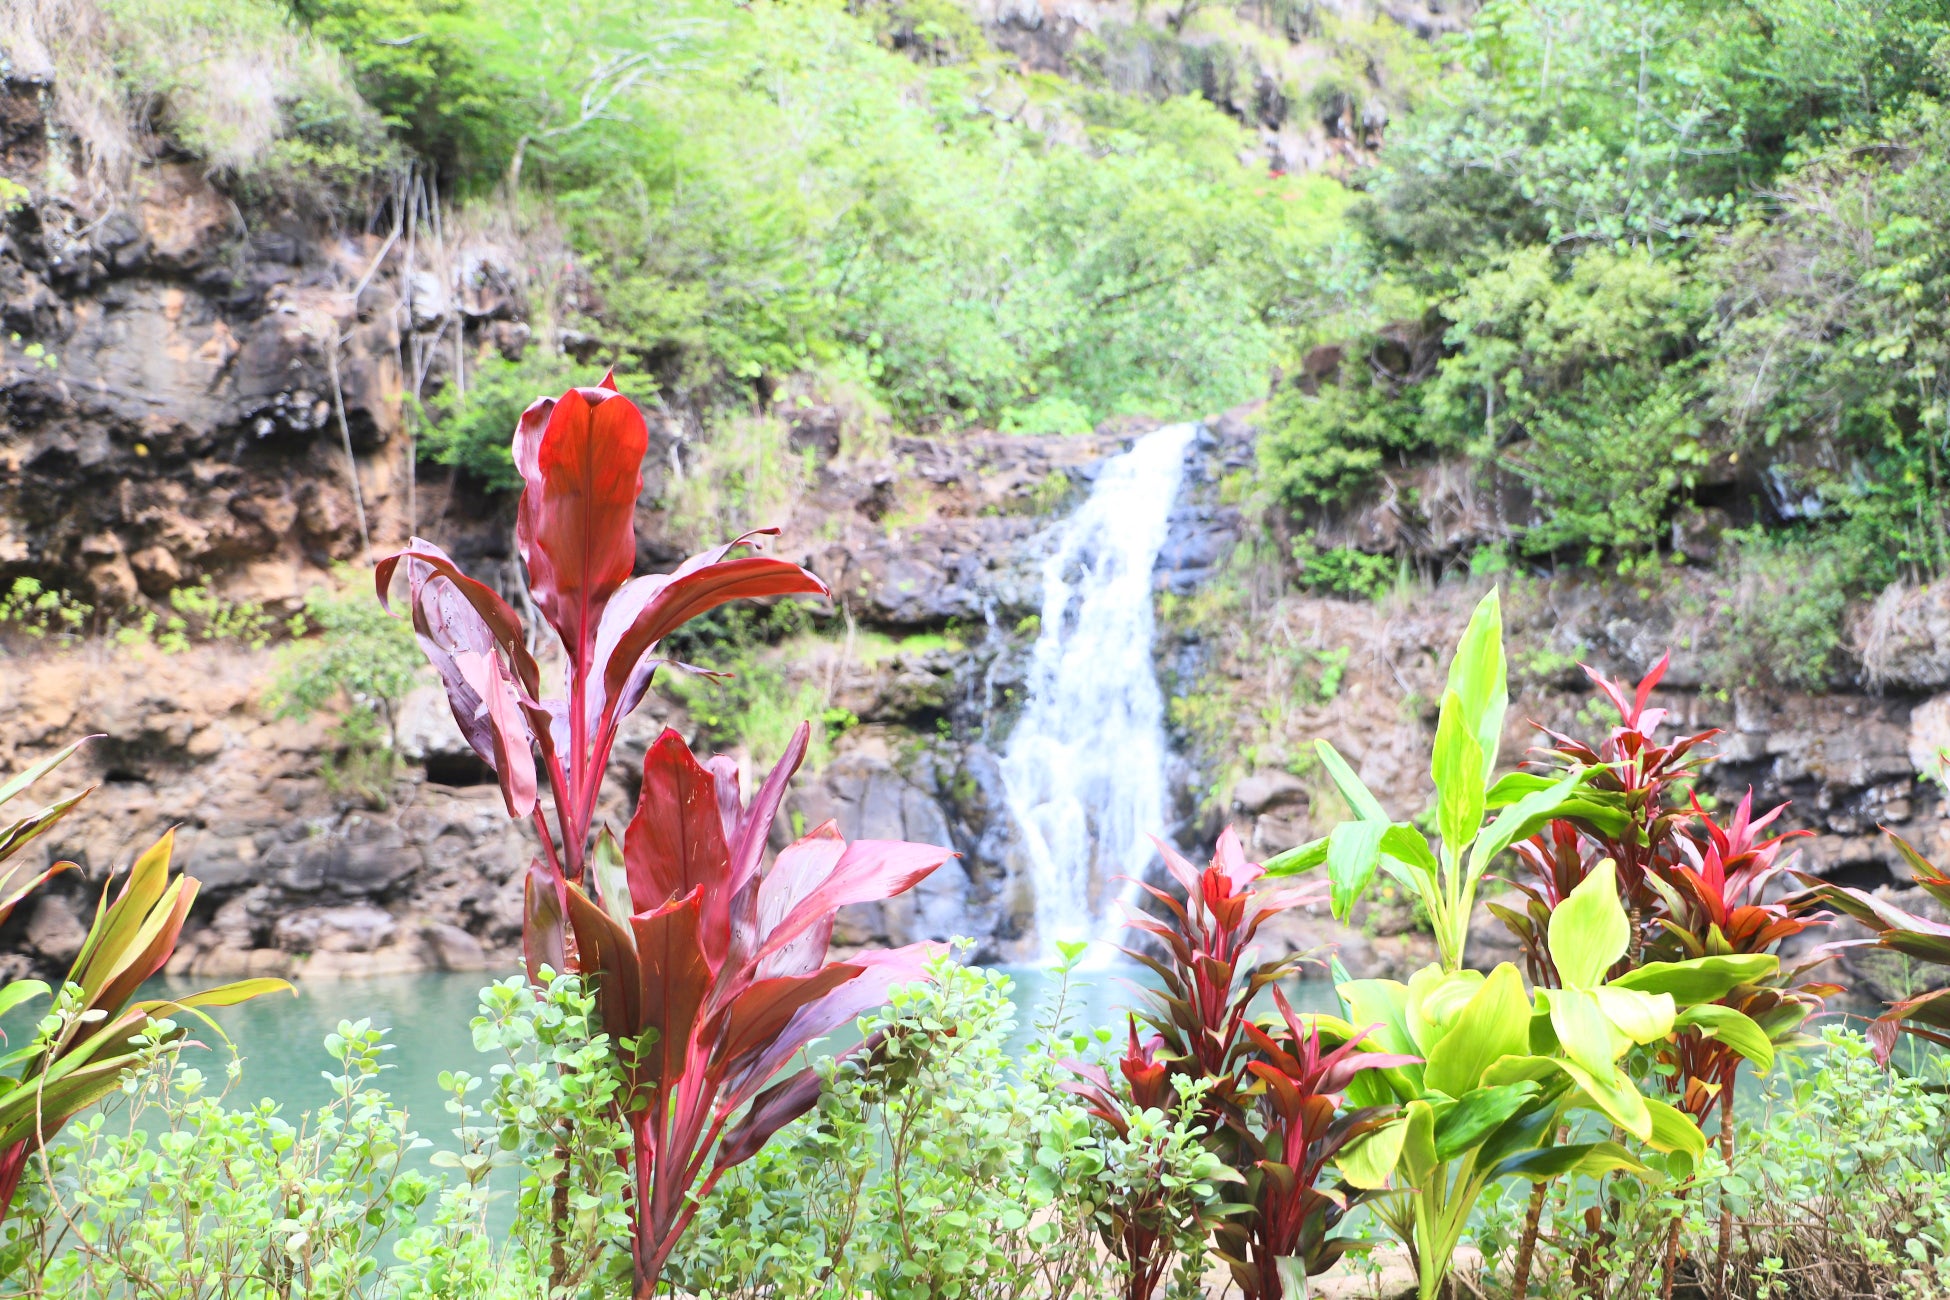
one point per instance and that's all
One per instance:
(1583, 1031)
(1353, 853)
(1515, 785)
(1614, 1094)
(1494, 1023)
(1521, 820)
(18, 992)
(1368, 1161)
(1435, 998)
(1589, 1158)
(1700, 979)
(1674, 1130)
(1406, 844)
(1458, 767)
(1418, 1143)
(1476, 1115)
(1298, 860)
(1735, 1029)
(1531, 1127)
(1641, 1017)
(1588, 930)
(1380, 1007)
(1366, 807)
(1479, 679)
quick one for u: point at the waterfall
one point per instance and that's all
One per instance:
(1084, 768)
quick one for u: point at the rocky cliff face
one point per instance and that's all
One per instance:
(187, 396)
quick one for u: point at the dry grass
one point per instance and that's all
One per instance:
(217, 76)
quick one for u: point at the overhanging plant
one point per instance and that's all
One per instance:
(580, 458)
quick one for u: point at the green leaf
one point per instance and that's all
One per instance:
(1458, 767)
(1588, 1158)
(1588, 930)
(1495, 1023)
(18, 992)
(1641, 1017)
(1583, 1031)
(1418, 1143)
(1522, 819)
(1298, 860)
(1368, 1161)
(1479, 678)
(1476, 1115)
(1699, 979)
(1366, 807)
(1673, 1130)
(1734, 1028)
(1406, 844)
(1614, 1094)
(1353, 853)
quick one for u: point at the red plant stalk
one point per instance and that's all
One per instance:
(580, 458)
(711, 973)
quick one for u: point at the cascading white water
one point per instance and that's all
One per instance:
(1085, 764)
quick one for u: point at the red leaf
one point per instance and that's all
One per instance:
(544, 914)
(771, 1111)
(757, 1016)
(514, 759)
(800, 868)
(868, 871)
(577, 522)
(651, 608)
(606, 951)
(755, 827)
(495, 612)
(675, 843)
(675, 980)
(879, 972)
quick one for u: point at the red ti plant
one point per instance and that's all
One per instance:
(711, 974)
(1139, 1233)
(1630, 812)
(1925, 1015)
(1206, 971)
(1716, 905)
(1302, 1128)
(1203, 1015)
(580, 458)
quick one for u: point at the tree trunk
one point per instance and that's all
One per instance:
(1726, 1209)
(1527, 1245)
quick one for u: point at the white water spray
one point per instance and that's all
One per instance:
(1085, 764)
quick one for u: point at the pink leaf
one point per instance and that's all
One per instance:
(868, 871)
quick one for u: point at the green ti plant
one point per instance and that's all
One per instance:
(96, 1029)
(1446, 876)
(1503, 1071)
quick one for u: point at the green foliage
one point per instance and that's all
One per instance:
(38, 612)
(1782, 621)
(359, 666)
(475, 432)
(1344, 571)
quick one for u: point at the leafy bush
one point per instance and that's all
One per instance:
(1344, 571)
(1782, 614)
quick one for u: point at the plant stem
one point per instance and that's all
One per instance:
(1726, 1154)
(1672, 1246)
(1527, 1244)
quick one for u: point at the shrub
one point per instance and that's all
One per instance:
(933, 1165)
